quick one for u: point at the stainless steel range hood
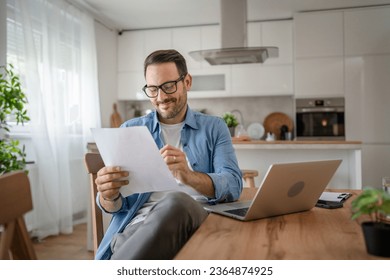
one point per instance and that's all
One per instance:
(234, 39)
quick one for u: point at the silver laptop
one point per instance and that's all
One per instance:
(286, 188)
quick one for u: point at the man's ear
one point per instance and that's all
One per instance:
(188, 82)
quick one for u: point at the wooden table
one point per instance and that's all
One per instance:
(313, 235)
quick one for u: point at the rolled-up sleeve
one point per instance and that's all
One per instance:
(210, 150)
(227, 177)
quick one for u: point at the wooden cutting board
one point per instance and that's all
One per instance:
(274, 121)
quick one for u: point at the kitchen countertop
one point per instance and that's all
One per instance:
(259, 155)
(296, 144)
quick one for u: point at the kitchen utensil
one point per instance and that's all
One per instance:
(274, 121)
(255, 131)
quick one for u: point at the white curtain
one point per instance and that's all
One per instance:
(52, 45)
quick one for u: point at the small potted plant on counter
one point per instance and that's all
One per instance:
(375, 204)
(231, 122)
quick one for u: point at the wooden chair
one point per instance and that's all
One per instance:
(15, 201)
(249, 177)
(93, 163)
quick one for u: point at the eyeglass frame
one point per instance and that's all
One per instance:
(160, 86)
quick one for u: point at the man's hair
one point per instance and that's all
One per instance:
(163, 56)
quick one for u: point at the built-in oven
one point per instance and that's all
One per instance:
(320, 119)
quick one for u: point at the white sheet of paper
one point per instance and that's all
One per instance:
(334, 196)
(134, 149)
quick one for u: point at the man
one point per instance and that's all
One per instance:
(198, 151)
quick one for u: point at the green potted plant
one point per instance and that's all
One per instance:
(231, 122)
(374, 204)
(12, 106)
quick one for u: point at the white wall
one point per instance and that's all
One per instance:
(3, 32)
(106, 48)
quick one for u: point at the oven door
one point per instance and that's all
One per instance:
(320, 124)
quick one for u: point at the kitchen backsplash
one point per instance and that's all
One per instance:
(252, 109)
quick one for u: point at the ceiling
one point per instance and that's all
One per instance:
(147, 14)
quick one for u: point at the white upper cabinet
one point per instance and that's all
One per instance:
(210, 39)
(186, 39)
(131, 51)
(279, 34)
(156, 39)
(275, 75)
(257, 80)
(368, 98)
(318, 34)
(275, 33)
(130, 85)
(319, 54)
(319, 77)
(133, 47)
(367, 31)
(254, 38)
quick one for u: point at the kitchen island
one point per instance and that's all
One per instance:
(259, 155)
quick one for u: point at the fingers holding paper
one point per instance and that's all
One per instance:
(176, 161)
(109, 180)
(177, 164)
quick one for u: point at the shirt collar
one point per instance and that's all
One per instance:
(189, 120)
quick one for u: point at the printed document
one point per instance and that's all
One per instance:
(334, 196)
(134, 149)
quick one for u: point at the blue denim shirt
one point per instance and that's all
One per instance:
(208, 146)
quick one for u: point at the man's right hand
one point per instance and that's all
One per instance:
(109, 180)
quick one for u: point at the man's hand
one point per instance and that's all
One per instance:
(177, 164)
(176, 161)
(109, 180)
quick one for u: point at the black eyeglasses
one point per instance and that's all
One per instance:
(167, 87)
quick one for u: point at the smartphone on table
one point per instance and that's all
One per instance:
(329, 204)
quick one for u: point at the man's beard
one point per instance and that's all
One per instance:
(176, 109)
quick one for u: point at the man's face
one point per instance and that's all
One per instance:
(171, 108)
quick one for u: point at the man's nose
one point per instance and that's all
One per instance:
(161, 94)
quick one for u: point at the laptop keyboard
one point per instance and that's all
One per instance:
(239, 212)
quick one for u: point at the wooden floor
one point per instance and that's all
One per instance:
(65, 247)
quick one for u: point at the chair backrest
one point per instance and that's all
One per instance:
(93, 163)
(15, 201)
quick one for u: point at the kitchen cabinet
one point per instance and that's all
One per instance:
(133, 47)
(367, 107)
(279, 33)
(258, 80)
(211, 82)
(367, 87)
(368, 98)
(318, 34)
(275, 75)
(186, 39)
(347, 176)
(319, 77)
(367, 31)
(210, 39)
(254, 38)
(275, 33)
(130, 85)
(131, 51)
(156, 39)
(319, 57)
